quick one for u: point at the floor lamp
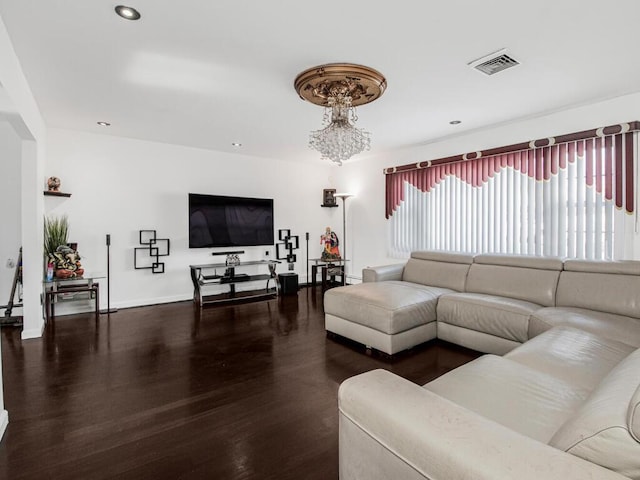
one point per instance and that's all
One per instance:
(344, 197)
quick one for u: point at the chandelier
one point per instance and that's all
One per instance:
(340, 88)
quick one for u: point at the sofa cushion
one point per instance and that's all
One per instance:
(438, 269)
(602, 286)
(390, 307)
(528, 401)
(608, 325)
(575, 356)
(499, 316)
(522, 261)
(620, 267)
(604, 429)
(523, 277)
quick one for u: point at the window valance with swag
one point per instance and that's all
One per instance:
(566, 195)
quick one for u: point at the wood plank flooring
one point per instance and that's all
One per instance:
(170, 392)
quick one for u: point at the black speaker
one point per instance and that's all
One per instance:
(288, 283)
(108, 239)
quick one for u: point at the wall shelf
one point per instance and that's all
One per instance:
(56, 194)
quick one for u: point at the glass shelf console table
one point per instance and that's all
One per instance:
(60, 290)
(221, 274)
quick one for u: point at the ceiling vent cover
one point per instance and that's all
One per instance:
(494, 63)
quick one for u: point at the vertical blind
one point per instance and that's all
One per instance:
(564, 199)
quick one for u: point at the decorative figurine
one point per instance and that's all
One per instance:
(328, 199)
(232, 260)
(66, 262)
(330, 250)
(53, 184)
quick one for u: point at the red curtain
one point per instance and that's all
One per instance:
(542, 159)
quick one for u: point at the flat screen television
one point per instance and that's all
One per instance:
(219, 221)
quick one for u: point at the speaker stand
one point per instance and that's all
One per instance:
(108, 310)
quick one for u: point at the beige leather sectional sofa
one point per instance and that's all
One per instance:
(562, 402)
(490, 303)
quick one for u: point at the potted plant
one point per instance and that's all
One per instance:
(63, 259)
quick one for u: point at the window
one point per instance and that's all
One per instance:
(569, 199)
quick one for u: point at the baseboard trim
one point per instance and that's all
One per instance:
(4, 421)
(33, 332)
(144, 302)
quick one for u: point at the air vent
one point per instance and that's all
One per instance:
(494, 63)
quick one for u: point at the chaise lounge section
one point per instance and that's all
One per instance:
(395, 308)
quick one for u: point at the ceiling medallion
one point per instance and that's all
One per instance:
(340, 87)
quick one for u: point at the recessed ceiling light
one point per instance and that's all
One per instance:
(236, 144)
(128, 13)
(104, 124)
(455, 122)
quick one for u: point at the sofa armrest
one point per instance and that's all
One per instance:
(391, 427)
(383, 273)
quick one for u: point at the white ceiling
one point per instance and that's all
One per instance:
(206, 73)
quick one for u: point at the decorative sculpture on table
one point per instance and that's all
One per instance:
(232, 259)
(53, 184)
(62, 257)
(66, 262)
(330, 241)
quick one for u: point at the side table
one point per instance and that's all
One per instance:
(57, 288)
(329, 270)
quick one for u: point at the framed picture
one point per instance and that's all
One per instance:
(328, 199)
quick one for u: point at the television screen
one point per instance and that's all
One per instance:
(217, 221)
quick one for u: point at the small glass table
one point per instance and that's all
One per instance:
(329, 269)
(67, 289)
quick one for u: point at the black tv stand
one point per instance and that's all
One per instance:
(231, 278)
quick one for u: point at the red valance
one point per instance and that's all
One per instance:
(538, 159)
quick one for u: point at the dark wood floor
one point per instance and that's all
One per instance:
(164, 392)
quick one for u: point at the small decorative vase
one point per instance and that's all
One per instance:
(53, 184)
(232, 260)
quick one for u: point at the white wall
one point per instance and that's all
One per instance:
(10, 208)
(29, 125)
(10, 202)
(120, 186)
(27, 117)
(368, 229)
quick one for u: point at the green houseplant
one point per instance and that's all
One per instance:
(56, 233)
(65, 260)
